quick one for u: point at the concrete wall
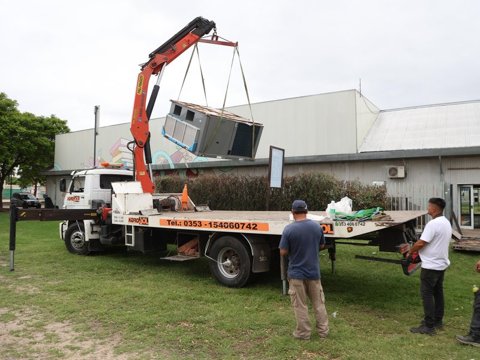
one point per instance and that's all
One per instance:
(366, 115)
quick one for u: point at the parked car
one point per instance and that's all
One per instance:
(25, 200)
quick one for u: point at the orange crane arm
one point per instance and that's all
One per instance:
(159, 58)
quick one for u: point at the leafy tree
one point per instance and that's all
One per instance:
(27, 142)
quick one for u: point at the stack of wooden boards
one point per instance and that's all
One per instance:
(190, 248)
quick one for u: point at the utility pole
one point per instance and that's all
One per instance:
(95, 133)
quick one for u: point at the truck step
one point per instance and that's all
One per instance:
(180, 258)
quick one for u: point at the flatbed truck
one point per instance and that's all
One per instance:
(103, 208)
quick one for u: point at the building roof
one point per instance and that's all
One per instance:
(443, 126)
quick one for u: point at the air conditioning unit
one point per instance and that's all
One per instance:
(396, 172)
(211, 132)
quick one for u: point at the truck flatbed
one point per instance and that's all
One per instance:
(260, 222)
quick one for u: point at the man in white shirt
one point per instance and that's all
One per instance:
(433, 250)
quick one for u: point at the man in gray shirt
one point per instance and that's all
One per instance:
(302, 241)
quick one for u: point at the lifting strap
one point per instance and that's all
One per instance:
(195, 49)
(237, 52)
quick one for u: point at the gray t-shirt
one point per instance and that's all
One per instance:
(303, 239)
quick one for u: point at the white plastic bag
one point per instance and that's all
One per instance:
(343, 206)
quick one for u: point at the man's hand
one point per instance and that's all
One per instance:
(477, 266)
(419, 244)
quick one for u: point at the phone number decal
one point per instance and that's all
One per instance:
(209, 224)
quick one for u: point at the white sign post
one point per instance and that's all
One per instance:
(275, 168)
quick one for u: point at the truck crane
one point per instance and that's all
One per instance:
(103, 207)
(158, 60)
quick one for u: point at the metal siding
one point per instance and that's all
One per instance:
(311, 125)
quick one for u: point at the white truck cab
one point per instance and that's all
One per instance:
(88, 189)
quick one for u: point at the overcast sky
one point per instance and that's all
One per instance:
(63, 57)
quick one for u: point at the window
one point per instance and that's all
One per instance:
(190, 115)
(177, 110)
(106, 180)
(78, 184)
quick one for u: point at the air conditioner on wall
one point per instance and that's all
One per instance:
(396, 172)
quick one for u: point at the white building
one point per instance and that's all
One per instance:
(416, 152)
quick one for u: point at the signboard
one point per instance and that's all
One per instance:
(275, 168)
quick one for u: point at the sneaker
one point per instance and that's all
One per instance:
(436, 325)
(468, 340)
(422, 329)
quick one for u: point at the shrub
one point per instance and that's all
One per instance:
(252, 193)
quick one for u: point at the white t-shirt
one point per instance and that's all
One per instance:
(437, 233)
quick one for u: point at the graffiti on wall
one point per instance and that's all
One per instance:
(180, 156)
(121, 154)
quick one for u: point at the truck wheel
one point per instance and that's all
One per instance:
(75, 239)
(233, 264)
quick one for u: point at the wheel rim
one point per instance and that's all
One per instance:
(78, 240)
(228, 262)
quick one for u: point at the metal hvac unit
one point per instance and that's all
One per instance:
(396, 172)
(209, 132)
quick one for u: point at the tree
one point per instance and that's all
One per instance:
(27, 142)
(40, 157)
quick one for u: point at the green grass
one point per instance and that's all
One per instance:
(158, 309)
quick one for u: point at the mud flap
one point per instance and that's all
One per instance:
(260, 253)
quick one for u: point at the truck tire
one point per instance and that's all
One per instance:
(232, 265)
(75, 239)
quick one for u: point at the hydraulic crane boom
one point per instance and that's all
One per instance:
(159, 58)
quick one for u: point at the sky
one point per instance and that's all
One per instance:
(64, 57)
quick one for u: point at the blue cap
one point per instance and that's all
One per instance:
(299, 205)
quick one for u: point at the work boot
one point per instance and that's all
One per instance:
(468, 340)
(300, 337)
(437, 325)
(422, 329)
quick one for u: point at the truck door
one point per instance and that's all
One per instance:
(75, 197)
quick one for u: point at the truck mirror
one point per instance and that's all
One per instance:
(63, 185)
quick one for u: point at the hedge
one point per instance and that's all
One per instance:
(252, 193)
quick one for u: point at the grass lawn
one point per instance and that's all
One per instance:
(121, 305)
